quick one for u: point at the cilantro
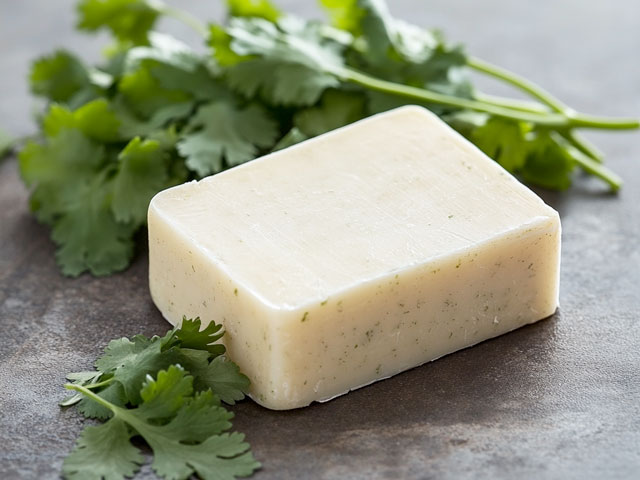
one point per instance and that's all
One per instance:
(58, 77)
(254, 8)
(158, 112)
(141, 174)
(88, 235)
(94, 119)
(220, 135)
(295, 64)
(335, 109)
(128, 20)
(503, 141)
(293, 136)
(168, 391)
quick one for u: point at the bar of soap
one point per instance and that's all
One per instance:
(355, 255)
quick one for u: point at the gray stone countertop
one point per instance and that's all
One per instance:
(556, 400)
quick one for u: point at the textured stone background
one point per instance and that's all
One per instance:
(559, 399)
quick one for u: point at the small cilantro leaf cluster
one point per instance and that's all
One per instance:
(169, 392)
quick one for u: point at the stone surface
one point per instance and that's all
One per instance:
(558, 399)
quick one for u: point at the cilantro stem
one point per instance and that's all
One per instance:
(428, 96)
(560, 120)
(543, 96)
(183, 16)
(99, 384)
(583, 145)
(88, 393)
(523, 105)
(519, 82)
(592, 167)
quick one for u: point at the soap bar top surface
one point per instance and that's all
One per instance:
(371, 198)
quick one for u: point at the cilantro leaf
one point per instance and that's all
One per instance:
(163, 49)
(204, 414)
(183, 430)
(345, 14)
(504, 141)
(293, 136)
(336, 109)
(131, 362)
(141, 174)
(128, 20)
(87, 234)
(290, 63)
(126, 363)
(549, 164)
(279, 82)
(164, 396)
(223, 457)
(103, 451)
(159, 123)
(145, 94)
(254, 8)
(95, 120)
(58, 171)
(220, 135)
(223, 377)
(190, 336)
(58, 76)
(113, 393)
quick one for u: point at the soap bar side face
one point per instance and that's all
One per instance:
(416, 315)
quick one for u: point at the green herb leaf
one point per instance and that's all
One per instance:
(220, 135)
(254, 8)
(548, 164)
(290, 63)
(223, 377)
(293, 136)
(190, 336)
(103, 451)
(128, 20)
(132, 360)
(95, 120)
(141, 173)
(504, 141)
(58, 76)
(183, 430)
(336, 109)
(113, 393)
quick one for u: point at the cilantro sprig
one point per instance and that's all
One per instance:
(169, 392)
(157, 112)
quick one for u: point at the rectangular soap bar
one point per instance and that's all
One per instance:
(355, 255)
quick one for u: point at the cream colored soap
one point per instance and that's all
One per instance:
(355, 255)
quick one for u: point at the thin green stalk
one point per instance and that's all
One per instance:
(542, 95)
(428, 96)
(184, 17)
(587, 163)
(555, 120)
(88, 393)
(99, 384)
(592, 167)
(523, 105)
(519, 82)
(583, 145)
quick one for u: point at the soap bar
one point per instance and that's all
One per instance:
(355, 255)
